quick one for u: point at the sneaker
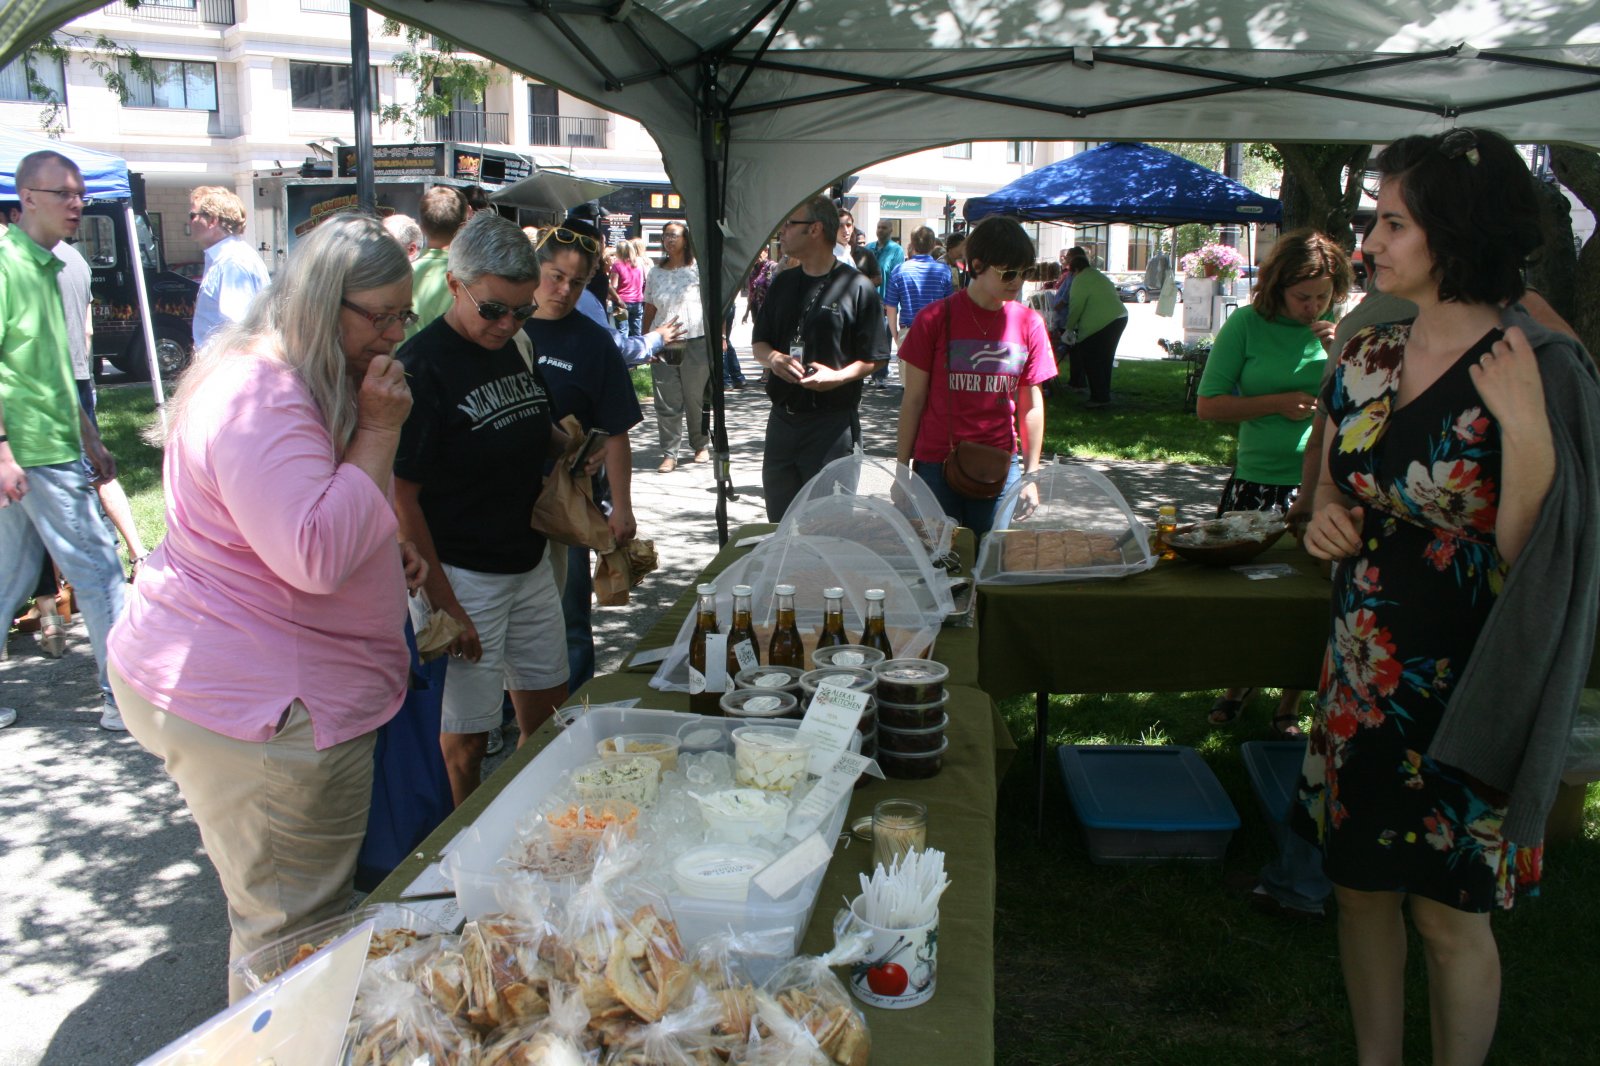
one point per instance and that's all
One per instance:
(111, 718)
(7, 716)
(497, 742)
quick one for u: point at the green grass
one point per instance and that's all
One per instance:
(1148, 421)
(124, 412)
(1169, 965)
(642, 387)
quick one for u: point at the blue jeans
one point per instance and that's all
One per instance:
(61, 514)
(731, 373)
(635, 318)
(577, 600)
(977, 515)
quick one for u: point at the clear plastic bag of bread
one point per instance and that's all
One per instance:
(619, 944)
(809, 992)
(776, 1039)
(395, 1021)
(562, 1038)
(509, 957)
(727, 967)
(433, 966)
(686, 1036)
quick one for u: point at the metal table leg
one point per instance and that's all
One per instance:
(1041, 731)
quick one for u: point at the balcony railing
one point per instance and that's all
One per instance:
(554, 130)
(475, 127)
(191, 12)
(326, 7)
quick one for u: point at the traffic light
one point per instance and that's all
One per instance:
(949, 208)
(839, 191)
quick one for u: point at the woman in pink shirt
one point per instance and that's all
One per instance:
(629, 282)
(263, 642)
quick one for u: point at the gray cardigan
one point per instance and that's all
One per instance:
(1510, 716)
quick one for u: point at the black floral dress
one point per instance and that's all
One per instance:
(1406, 614)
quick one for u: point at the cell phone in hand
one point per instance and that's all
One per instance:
(593, 441)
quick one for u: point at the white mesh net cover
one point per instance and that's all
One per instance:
(812, 564)
(884, 479)
(1081, 530)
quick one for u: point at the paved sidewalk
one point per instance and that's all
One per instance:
(113, 933)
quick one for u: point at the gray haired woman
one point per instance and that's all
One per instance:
(467, 473)
(263, 644)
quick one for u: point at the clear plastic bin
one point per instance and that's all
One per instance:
(395, 926)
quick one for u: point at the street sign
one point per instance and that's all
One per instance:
(910, 204)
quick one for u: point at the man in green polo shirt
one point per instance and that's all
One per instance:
(46, 503)
(443, 212)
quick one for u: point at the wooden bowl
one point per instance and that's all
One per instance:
(1223, 553)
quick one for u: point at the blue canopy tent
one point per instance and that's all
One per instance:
(1124, 181)
(105, 177)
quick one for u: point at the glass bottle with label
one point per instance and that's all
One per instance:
(786, 647)
(876, 633)
(833, 634)
(705, 622)
(741, 635)
(1166, 522)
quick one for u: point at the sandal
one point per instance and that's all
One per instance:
(1291, 731)
(1225, 711)
(52, 636)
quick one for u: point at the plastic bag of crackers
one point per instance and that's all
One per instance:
(509, 958)
(561, 1039)
(807, 990)
(395, 1021)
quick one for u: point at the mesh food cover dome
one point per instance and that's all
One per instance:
(860, 474)
(1080, 529)
(873, 523)
(812, 564)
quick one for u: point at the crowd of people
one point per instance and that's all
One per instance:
(341, 462)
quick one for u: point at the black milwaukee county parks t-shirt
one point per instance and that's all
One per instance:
(838, 317)
(476, 441)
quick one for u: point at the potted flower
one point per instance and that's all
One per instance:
(1212, 261)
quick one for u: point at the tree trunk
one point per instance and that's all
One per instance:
(1579, 170)
(1322, 187)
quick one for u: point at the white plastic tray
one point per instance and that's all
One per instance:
(474, 861)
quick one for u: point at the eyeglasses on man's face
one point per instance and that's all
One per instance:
(66, 196)
(382, 322)
(798, 222)
(494, 310)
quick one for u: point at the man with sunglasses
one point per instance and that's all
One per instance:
(234, 272)
(820, 332)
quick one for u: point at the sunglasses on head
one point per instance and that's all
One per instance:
(494, 310)
(566, 236)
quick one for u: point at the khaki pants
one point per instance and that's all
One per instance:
(281, 821)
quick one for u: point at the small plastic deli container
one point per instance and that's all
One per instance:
(851, 677)
(759, 703)
(742, 815)
(911, 767)
(913, 741)
(770, 759)
(662, 747)
(915, 715)
(631, 779)
(770, 679)
(908, 682)
(719, 871)
(857, 655)
(576, 829)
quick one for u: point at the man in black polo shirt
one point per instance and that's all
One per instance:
(820, 333)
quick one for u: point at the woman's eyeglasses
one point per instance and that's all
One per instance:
(566, 236)
(494, 310)
(383, 322)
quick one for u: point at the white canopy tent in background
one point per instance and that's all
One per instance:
(756, 105)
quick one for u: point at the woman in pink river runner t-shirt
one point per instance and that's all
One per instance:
(972, 365)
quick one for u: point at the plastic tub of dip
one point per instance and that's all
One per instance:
(913, 741)
(662, 747)
(851, 677)
(908, 767)
(910, 681)
(769, 759)
(719, 871)
(857, 655)
(759, 703)
(770, 679)
(742, 815)
(631, 779)
(912, 716)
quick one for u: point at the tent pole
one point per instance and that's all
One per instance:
(151, 356)
(713, 143)
(361, 103)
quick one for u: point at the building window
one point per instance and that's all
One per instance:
(1019, 152)
(174, 84)
(1142, 244)
(326, 87)
(14, 80)
(958, 151)
(1094, 240)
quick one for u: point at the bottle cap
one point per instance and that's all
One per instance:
(1166, 508)
(875, 594)
(833, 594)
(741, 590)
(784, 590)
(706, 590)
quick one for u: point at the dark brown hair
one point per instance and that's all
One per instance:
(1300, 255)
(998, 242)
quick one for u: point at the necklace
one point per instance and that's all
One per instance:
(973, 309)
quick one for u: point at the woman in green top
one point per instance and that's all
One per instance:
(1264, 372)
(1095, 321)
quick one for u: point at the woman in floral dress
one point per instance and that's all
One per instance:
(1461, 445)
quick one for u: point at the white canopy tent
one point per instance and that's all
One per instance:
(756, 104)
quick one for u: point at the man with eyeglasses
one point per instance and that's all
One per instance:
(45, 501)
(820, 332)
(234, 272)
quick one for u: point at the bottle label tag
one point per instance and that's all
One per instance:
(697, 681)
(717, 662)
(745, 653)
(796, 865)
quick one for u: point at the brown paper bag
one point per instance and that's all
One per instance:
(566, 511)
(621, 570)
